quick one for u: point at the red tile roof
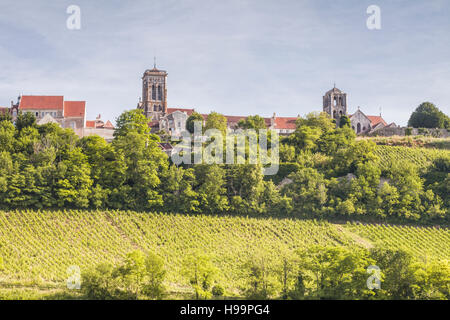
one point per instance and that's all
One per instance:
(374, 120)
(172, 110)
(285, 123)
(99, 124)
(90, 123)
(41, 102)
(109, 125)
(74, 108)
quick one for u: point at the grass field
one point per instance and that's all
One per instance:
(36, 248)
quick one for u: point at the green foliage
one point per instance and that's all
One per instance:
(427, 115)
(195, 116)
(344, 121)
(35, 246)
(252, 122)
(138, 276)
(261, 280)
(201, 273)
(131, 121)
(216, 121)
(25, 120)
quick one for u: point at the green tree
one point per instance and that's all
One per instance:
(252, 122)
(133, 273)
(344, 121)
(216, 121)
(201, 273)
(154, 267)
(211, 188)
(335, 272)
(131, 121)
(100, 283)
(427, 115)
(308, 191)
(195, 116)
(25, 120)
(261, 282)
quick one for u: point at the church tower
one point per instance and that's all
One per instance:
(154, 93)
(335, 103)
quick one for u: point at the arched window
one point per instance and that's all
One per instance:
(364, 128)
(335, 101)
(159, 93)
(334, 114)
(358, 128)
(340, 113)
(153, 92)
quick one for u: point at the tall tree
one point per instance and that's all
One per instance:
(195, 116)
(427, 115)
(216, 121)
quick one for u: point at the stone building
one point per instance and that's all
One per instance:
(154, 94)
(173, 120)
(69, 114)
(335, 104)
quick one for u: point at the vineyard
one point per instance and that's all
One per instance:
(421, 157)
(37, 247)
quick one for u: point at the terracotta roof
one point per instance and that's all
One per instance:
(41, 102)
(74, 108)
(374, 120)
(188, 111)
(285, 123)
(99, 124)
(109, 125)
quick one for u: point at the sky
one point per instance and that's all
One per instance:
(235, 57)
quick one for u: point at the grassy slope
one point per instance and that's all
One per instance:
(37, 248)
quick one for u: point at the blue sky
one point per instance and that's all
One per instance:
(234, 57)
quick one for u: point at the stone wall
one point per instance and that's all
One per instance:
(402, 131)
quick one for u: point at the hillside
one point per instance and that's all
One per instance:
(422, 157)
(37, 247)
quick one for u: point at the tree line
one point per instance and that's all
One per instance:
(330, 174)
(317, 272)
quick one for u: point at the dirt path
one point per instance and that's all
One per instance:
(359, 240)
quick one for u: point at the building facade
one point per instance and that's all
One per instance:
(68, 114)
(154, 94)
(335, 104)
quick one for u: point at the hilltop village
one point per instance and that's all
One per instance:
(172, 120)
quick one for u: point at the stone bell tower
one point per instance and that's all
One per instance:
(335, 103)
(154, 93)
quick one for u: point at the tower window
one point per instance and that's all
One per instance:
(153, 92)
(159, 93)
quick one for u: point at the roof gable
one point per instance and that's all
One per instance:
(374, 120)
